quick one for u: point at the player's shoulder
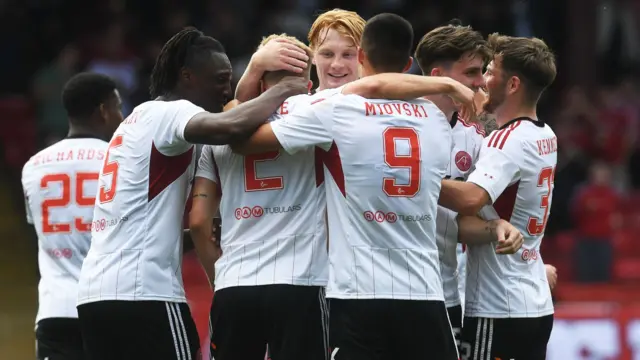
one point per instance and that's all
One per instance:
(164, 109)
(516, 134)
(470, 129)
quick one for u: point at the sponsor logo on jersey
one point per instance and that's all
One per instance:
(257, 211)
(391, 217)
(463, 160)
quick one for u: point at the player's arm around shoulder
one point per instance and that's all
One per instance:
(301, 128)
(242, 120)
(497, 167)
(206, 200)
(395, 86)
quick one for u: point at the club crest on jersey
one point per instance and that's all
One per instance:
(463, 160)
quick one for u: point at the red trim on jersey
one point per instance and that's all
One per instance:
(464, 247)
(476, 126)
(319, 166)
(495, 138)
(505, 203)
(164, 170)
(506, 135)
(331, 160)
(317, 101)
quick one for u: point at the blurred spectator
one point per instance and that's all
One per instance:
(114, 59)
(595, 211)
(47, 87)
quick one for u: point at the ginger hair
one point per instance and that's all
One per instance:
(346, 23)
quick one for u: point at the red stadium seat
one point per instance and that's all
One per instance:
(625, 243)
(626, 269)
(565, 243)
(19, 143)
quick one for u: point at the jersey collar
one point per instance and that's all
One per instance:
(454, 119)
(83, 136)
(538, 123)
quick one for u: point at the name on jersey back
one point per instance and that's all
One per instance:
(395, 108)
(69, 155)
(547, 146)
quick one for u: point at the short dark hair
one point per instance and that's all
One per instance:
(446, 44)
(180, 51)
(84, 93)
(530, 59)
(387, 40)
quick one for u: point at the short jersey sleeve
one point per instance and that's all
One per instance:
(27, 208)
(306, 126)
(206, 165)
(169, 139)
(497, 166)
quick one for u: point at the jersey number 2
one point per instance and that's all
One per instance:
(65, 200)
(110, 168)
(251, 180)
(535, 227)
(410, 161)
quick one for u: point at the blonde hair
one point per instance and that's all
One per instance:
(346, 23)
(275, 76)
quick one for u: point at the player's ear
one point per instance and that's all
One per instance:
(104, 114)
(310, 85)
(435, 72)
(408, 66)
(361, 56)
(514, 84)
(185, 74)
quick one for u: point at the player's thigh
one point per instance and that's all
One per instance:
(422, 330)
(298, 322)
(139, 329)
(59, 339)
(455, 317)
(236, 321)
(359, 329)
(503, 338)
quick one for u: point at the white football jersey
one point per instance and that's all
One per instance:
(60, 184)
(467, 140)
(273, 218)
(516, 167)
(384, 163)
(136, 244)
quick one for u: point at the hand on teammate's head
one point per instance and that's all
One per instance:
(510, 239)
(281, 54)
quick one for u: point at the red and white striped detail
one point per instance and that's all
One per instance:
(499, 137)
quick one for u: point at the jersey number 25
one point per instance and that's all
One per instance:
(65, 200)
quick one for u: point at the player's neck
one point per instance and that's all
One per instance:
(508, 112)
(83, 131)
(443, 103)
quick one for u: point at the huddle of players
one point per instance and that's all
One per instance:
(386, 266)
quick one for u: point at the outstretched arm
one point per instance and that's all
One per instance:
(239, 122)
(409, 87)
(277, 54)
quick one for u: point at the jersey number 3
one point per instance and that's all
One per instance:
(110, 168)
(65, 200)
(534, 226)
(410, 160)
